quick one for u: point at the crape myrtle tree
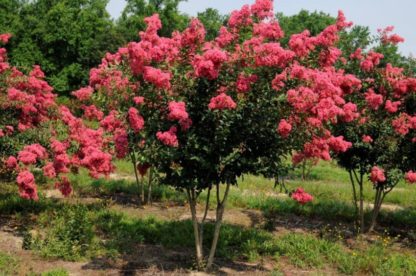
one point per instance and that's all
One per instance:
(383, 133)
(39, 137)
(206, 112)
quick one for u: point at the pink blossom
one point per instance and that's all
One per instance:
(244, 82)
(372, 59)
(111, 122)
(27, 185)
(177, 111)
(4, 38)
(169, 137)
(386, 37)
(341, 21)
(222, 101)
(272, 55)
(367, 139)
(410, 177)
(316, 148)
(262, 8)
(121, 143)
(138, 100)
(284, 128)
(240, 18)
(37, 72)
(58, 147)
(11, 162)
(156, 76)
(350, 112)
(301, 196)
(135, 119)
(96, 161)
(194, 34)
(377, 175)
(392, 107)
(302, 44)
(401, 124)
(30, 154)
(278, 81)
(83, 94)
(224, 38)
(268, 30)
(92, 112)
(64, 186)
(338, 144)
(208, 65)
(373, 100)
(49, 170)
(329, 57)
(153, 23)
(357, 54)
(61, 162)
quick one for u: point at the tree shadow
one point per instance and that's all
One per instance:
(326, 216)
(146, 244)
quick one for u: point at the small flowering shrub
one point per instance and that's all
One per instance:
(301, 196)
(35, 133)
(202, 113)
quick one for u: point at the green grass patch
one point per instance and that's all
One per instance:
(8, 264)
(56, 272)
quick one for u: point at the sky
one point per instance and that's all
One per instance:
(373, 13)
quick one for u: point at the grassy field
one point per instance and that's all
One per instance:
(103, 222)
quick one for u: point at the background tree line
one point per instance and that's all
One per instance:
(68, 37)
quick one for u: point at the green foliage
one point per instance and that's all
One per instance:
(66, 233)
(133, 15)
(8, 264)
(315, 22)
(212, 20)
(56, 272)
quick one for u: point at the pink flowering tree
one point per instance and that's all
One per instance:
(38, 135)
(382, 131)
(204, 112)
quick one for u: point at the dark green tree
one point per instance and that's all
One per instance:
(65, 37)
(212, 20)
(132, 18)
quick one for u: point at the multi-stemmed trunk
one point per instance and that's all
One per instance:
(199, 225)
(281, 184)
(136, 174)
(358, 198)
(381, 193)
(140, 182)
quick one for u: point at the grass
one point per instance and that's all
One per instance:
(8, 264)
(121, 233)
(329, 185)
(56, 272)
